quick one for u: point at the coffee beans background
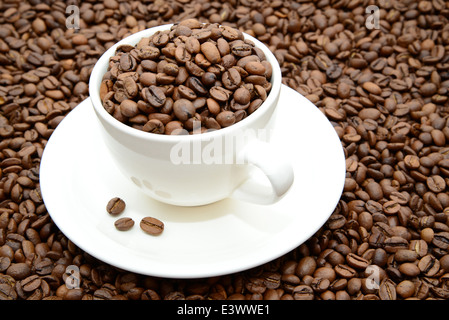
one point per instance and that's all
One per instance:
(384, 90)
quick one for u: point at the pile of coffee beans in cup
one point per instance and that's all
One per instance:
(381, 78)
(194, 78)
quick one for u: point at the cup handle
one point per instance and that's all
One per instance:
(274, 166)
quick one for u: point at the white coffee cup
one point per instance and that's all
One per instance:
(199, 169)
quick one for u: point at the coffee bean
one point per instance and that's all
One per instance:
(193, 45)
(387, 290)
(213, 106)
(436, 183)
(115, 206)
(129, 108)
(429, 265)
(164, 79)
(124, 224)
(160, 38)
(186, 92)
(194, 69)
(31, 283)
(440, 292)
(242, 96)
(404, 255)
(372, 88)
(374, 190)
(441, 240)
(127, 62)
(220, 94)
(395, 243)
(147, 79)
(409, 269)
(7, 292)
(154, 126)
(197, 86)
(345, 271)
(19, 270)
(391, 207)
(226, 118)
(152, 225)
(356, 262)
(241, 49)
(182, 55)
(183, 109)
(208, 79)
(303, 292)
(211, 52)
(255, 67)
(231, 79)
(154, 95)
(405, 289)
(171, 69)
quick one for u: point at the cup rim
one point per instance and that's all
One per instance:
(101, 66)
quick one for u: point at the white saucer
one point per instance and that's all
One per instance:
(77, 179)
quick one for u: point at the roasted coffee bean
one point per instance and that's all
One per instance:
(115, 206)
(154, 126)
(226, 118)
(124, 224)
(409, 269)
(345, 271)
(241, 49)
(303, 292)
(183, 109)
(208, 79)
(211, 52)
(7, 292)
(387, 290)
(231, 79)
(31, 283)
(356, 262)
(213, 106)
(429, 265)
(19, 270)
(186, 92)
(441, 240)
(127, 62)
(197, 86)
(194, 69)
(152, 225)
(242, 96)
(405, 289)
(395, 243)
(128, 108)
(220, 94)
(405, 255)
(436, 183)
(154, 95)
(171, 69)
(182, 55)
(255, 67)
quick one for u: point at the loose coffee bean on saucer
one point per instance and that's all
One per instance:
(115, 206)
(152, 226)
(124, 224)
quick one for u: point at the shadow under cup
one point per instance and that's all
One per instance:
(187, 170)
